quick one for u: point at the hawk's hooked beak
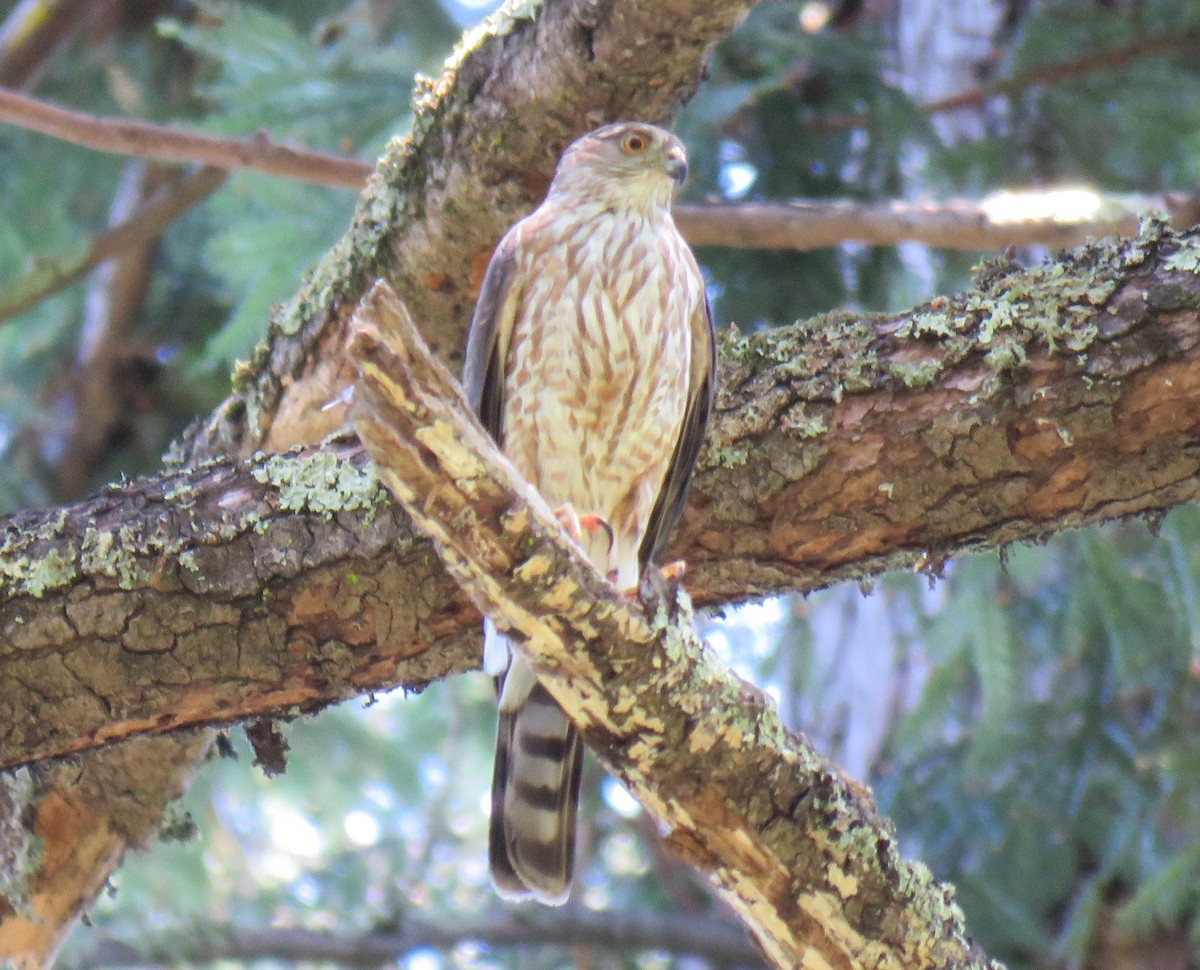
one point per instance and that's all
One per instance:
(677, 166)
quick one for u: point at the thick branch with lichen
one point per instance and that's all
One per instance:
(796, 848)
(278, 585)
(1050, 398)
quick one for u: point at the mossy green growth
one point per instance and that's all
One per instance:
(56, 568)
(1054, 304)
(916, 374)
(430, 94)
(320, 482)
(1186, 259)
(730, 456)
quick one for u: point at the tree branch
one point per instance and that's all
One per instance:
(724, 943)
(53, 272)
(1058, 218)
(1051, 398)
(795, 847)
(1053, 218)
(1050, 217)
(146, 140)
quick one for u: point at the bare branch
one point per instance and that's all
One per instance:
(1060, 218)
(1056, 218)
(53, 272)
(169, 145)
(724, 943)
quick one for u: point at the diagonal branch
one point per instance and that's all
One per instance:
(1107, 59)
(795, 847)
(55, 271)
(487, 135)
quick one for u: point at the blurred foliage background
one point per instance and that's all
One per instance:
(1029, 721)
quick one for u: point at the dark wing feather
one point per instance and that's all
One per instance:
(702, 385)
(487, 341)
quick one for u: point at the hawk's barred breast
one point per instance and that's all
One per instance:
(605, 325)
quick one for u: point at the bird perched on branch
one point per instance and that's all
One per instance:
(590, 361)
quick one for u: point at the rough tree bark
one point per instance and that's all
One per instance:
(1052, 397)
(485, 139)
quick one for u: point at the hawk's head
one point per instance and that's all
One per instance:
(624, 163)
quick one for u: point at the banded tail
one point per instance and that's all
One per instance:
(535, 786)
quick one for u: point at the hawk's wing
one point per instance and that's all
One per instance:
(535, 781)
(702, 384)
(487, 341)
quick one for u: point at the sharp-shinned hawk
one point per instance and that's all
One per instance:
(590, 361)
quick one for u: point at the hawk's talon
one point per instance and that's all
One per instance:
(590, 522)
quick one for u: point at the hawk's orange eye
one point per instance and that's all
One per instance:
(635, 143)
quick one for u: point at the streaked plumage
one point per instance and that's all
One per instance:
(590, 360)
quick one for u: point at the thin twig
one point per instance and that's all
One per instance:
(147, 140)
(717, 941)
(1104, 60)
(1049, 74)
(52, 272)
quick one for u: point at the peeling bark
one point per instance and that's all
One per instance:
(795, 847)
(841, 447)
